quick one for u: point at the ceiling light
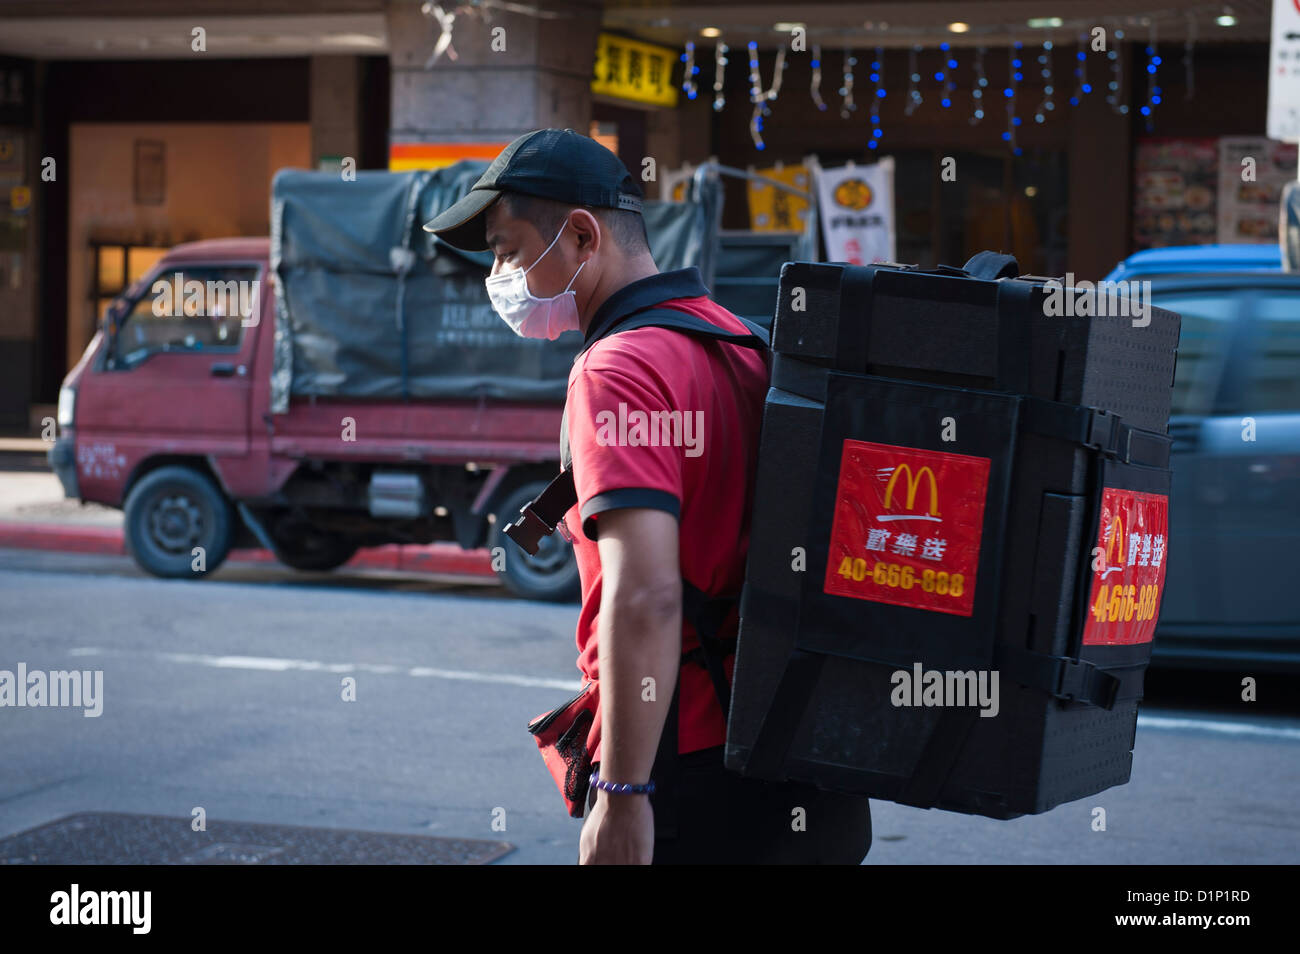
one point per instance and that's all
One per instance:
(1045, 23)
(1226, 19)
(788, 27)
(958, 27)
(710, 32)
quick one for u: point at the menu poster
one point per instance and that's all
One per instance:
(1174, 185)
(1249, 191)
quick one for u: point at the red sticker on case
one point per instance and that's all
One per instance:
(907, 527)
(1128, 568)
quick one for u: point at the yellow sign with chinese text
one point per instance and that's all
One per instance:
(635, 71)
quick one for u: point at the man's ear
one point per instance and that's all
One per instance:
(586, 228)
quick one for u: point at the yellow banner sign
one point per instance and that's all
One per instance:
(635, 71)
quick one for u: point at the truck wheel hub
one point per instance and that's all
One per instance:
(177, 524)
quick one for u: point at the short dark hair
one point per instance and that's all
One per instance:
(625, 227)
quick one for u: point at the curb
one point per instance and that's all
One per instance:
(443, 559)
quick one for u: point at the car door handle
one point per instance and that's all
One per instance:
(224, 369)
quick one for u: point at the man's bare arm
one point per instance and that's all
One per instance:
(639, 636)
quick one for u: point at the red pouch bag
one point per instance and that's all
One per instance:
(561, 734)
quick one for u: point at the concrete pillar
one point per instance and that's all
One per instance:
(335, 107)
(1100, 173)
(513, 73)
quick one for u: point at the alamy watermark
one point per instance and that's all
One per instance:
(178, 296)
(946, 688)
(82, 688)
(1104, 299)
(651, 429)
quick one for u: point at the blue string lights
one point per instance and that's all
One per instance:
(1116, 78)
(1009, 92)
(846, 91)
(954, 77)
(1047, 104)
(878, 78)
(914, 98)
(946, 75)
(689, 85)
(1081, 86)
(1147, 109)
(977, 91)
(816, 87)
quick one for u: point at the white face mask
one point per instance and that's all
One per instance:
(528, 315)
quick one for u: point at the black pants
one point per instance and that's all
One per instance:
(725, 818)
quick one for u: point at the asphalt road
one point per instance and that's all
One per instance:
(227, 694)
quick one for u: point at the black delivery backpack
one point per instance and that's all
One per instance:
(958, 475)
(957, 541)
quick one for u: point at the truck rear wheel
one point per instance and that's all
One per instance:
(551, 574)
(178, 523)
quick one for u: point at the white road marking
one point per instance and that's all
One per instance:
(1211, 725)
(273, 664)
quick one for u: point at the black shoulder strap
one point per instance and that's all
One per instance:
(758, 337)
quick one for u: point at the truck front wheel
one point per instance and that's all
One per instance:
(550, 574)
(178, 523)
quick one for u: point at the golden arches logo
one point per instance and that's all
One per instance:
(912, 484)
(1116, 537)
(853, 194)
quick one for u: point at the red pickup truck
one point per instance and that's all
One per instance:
(169, 417)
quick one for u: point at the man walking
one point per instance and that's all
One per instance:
(655, 518)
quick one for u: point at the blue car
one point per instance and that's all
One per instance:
(1232, 600)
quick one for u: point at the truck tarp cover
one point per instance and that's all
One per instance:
(369, 305)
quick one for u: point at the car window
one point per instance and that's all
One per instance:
(1202, 346)
(195, 309)
(1273, 376)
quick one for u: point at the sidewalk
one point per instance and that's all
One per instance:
(34, 515)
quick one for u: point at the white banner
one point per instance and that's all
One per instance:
(1284, 72)
(856, 207)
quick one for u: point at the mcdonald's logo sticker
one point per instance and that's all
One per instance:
(912, 484)
(1128, 568)
(907, 527)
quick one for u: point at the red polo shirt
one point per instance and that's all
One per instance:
(700, 470)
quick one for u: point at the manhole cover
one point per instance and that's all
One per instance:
(111, 838)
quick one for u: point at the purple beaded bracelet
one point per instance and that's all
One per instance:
(622, 788)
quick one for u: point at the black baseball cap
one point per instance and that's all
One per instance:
(557, 164)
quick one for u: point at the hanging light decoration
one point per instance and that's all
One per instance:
(846, 91)
(719, 71)
(1045, 62)
(914, 98)
(756, 96)
(1153, 91)
(946, 74)
(977, 91)
(816, 88)
(877, 77)
(1009, 93)
(689, 86)
(1081, 85)
(761, 97)
(1116, 78)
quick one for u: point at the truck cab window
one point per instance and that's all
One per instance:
(200, 309)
